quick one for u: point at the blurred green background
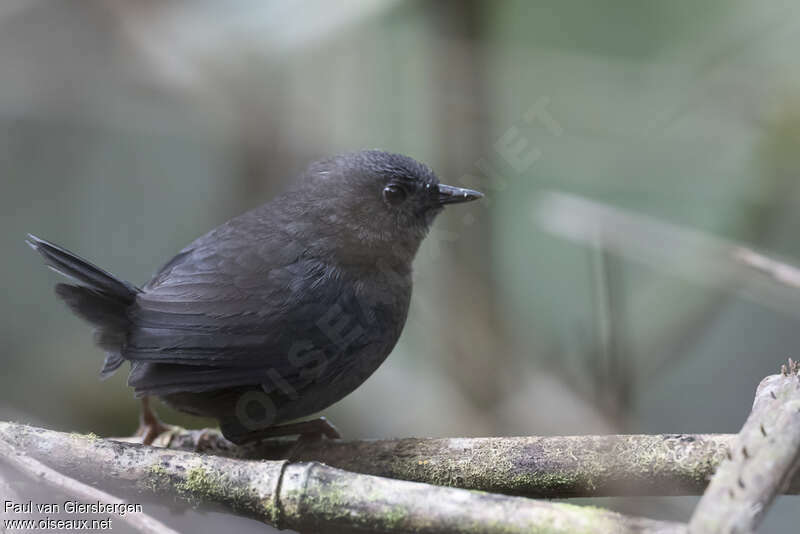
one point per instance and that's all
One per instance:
(128, 128)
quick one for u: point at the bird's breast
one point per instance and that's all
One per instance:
(353, 335)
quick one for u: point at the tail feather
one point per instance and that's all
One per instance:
(99, 298)
(82, 271)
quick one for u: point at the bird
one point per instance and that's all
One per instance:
(279, 312)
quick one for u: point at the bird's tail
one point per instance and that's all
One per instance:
(98, 297)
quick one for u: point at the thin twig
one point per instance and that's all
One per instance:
(35, 469)
(779, 271)
(682, 251)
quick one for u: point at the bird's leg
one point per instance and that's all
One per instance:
(150, 426)
(308, 430)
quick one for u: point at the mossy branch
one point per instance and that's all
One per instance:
(309, 496)
(753, 467)
(542, 467)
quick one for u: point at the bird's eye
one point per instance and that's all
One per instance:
(394, 194)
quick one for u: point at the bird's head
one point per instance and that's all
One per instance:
(378, 203)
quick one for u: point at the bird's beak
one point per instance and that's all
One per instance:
(449, 194)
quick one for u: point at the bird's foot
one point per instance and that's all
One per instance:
(317, 429)
(150, 426)
(204, 439)
(311, 430)
(149, 432)
(321, 428)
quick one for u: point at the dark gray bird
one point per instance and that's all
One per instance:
(279, 312)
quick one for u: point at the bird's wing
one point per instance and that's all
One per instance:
(225, 314)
